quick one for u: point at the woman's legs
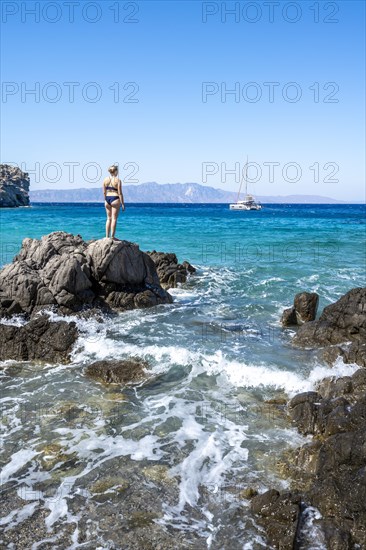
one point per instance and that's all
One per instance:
(115, 211)
(108, 210)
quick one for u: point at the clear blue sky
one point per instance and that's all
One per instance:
(171, 130)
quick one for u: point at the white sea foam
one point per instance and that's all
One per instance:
(183, 295)
(264, 282)
(234, 371)
(18, 460)
(14, 320)
(249, 375)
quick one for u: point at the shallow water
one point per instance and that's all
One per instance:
(167, 462)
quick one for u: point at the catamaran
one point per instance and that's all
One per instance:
(249, 202)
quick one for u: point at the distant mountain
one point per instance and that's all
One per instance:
(169, 193)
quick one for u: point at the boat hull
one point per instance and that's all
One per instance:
(245, 207)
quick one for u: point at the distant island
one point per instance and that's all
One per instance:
(152, 192)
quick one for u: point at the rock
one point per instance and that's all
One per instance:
(248, 493)
(306, 306)
(331, 353)
(21, 284)
(343, 321)
(121, 300)
(356, 353)
(37, 253)
(303, 409)
(359, 382)
(304, 309)
(14, 186)
(53, 454)
(118, 372)
(118, 262)
(289, 318)
(331, 470)
(330, 388)
(40, 339)
(170, 272)
(337, 539)
(146, 299)
(109, 484)
(65, 273)
(306, 461)
(279, 515)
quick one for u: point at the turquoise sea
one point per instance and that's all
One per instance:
(182, 448)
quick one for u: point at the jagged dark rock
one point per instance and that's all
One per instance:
(355, 353)
(14, 186)
(40, 340)
(64, 273)
(68, 274)
(303, 408)
(304, 309)
(170, 271)
(329, 472)
(118, 372)
(343, 321)
(289, 318)
(279, 514)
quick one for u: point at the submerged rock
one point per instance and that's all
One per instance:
(53, 454)
(118, 372)
(14, 186)
(304, 309)
(108, 485)
(64, 272)
(40, 339)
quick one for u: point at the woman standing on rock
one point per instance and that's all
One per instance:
(112, 189)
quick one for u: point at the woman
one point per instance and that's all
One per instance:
(112, 189)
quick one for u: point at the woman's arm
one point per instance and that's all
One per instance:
(104, 189)
(120, 194)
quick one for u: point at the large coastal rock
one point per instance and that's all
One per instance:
(14, 186)
(40, 339)
(343, 321)
(64, 272)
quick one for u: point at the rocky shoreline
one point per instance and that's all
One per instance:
(328, 475)
(66, 275)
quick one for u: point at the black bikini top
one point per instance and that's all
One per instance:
(111, 188)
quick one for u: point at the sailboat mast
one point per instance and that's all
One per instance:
(246, 178)
(246, 182)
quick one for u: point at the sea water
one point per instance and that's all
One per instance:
(88, 463)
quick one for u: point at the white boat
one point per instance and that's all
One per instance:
(249, 202)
